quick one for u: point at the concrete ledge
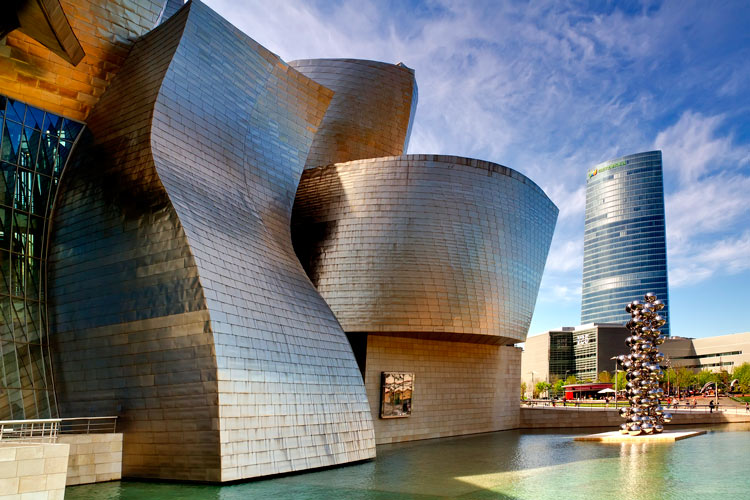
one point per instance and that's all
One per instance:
(616, 437)
(549, 417)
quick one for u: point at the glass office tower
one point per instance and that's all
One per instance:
(624, 243)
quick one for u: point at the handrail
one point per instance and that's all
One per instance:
(50, 428)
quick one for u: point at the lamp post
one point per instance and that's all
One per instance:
(532, 384)
(617, 364)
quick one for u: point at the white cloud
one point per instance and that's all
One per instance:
(705, 259)
(692, 148)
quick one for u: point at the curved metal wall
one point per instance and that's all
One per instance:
(235, 340)
(371, 112)
(624, 242)
(425, 244)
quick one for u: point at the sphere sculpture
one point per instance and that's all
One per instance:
(643, 369)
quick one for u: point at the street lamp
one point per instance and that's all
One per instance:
(616, 360)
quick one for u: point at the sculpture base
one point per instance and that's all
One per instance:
(616, 437)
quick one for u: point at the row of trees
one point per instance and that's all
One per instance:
(680, 378)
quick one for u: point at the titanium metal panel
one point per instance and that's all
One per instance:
(371, 113)
(624, 243)
(179, 299)
(421, 244)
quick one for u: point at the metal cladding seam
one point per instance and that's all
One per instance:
(282, 389)
(439, 246)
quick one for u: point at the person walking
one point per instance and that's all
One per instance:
(747, 407)
(711, 406)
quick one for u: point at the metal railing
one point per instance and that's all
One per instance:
(47, 429)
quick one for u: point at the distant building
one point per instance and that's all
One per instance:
(723, 352)
(624, 243)
(583, 351)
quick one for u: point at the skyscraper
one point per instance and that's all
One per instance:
(624, 242)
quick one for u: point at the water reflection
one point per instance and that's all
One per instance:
(503, 465)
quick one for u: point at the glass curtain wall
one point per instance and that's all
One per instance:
(34, 147)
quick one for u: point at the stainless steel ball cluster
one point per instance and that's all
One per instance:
(643, 368)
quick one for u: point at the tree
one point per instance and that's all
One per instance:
(621, 381)
(742, 374)
(684, 378)
(523, 390)
(604, 377)
(571, 380)
(704, 376)
(541, 387)
(558, 386)
(669, 379)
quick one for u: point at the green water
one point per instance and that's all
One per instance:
(504, 465)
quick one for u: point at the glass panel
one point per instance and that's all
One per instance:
(19, 321)
(70, 130)
(10, 364)
(5, 227)
(15, 110)
(41, 191)
(33, 323)
(6, 319)
(63, 152)
(3, 100)
(35, 241)
(11, 141)
(4, 271)
(24, 365)
(20, 228)
(47, 155)
(42, 404)
(5, 406)
(34, 117)
(32, 278)
(7, 183)
(24, 189)
(29, 147)
(52, 124)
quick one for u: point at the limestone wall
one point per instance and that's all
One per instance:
(459, 388)
(549, 418)
(33, 470)
(94, 458)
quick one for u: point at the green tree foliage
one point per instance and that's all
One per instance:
(571, 380)
(742, 374)
(685, 378)
(542, 387)
(558, 386)
(604, 377)
(621, 381)
(703, 377)
(523, 390)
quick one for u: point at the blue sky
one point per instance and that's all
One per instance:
(553, 88)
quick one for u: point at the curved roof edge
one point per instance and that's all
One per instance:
(367, 62)
(456, 160)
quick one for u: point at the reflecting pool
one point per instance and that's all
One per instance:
(503, 465)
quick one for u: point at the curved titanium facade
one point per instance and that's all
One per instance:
(371, 112)
(624, 244)
(425, 244)
(179, 301)
(34, 147)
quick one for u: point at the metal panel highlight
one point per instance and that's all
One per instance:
(422, 244)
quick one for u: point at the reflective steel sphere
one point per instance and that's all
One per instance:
(649, 297)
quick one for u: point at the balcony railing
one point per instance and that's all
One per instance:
(47, 429)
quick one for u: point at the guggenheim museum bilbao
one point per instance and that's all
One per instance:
(233, 254)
